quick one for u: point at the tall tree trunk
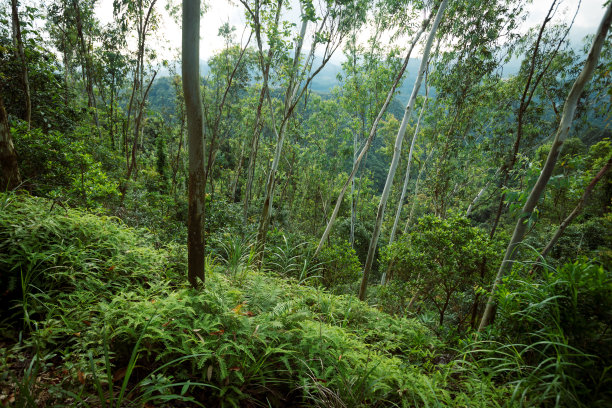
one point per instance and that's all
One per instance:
(290, 95)
(234, 184)
(9, 169)
(353, 198)
(264, 63)
(368, 143)
(397, 152)
(91, 97)
(134, 151)
(195, 128)
(578, 209)
(18, 42)
(400, 204)
(112, 113)
(177, 161)
(567, 117)
(135, 99)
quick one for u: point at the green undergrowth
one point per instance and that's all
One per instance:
(94, 314)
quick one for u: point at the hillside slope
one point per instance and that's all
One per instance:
(91, 303)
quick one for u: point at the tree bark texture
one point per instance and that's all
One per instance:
(400, 204)
(368, 143)
(195, 128)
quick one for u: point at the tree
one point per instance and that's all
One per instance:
(569, 109)
(229, 74)
(368, 143)
(9, 169)
(400, 203)
(142, 12)
(18, 43)
(256, 13)
(439, 258)
(195, 129)
(366, 76)
(397, 151)
(531, 84)
(334, 21)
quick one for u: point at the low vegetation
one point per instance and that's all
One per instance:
(105, 318)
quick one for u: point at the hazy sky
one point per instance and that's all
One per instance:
(220, 11)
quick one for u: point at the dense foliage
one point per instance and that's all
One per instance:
(309, 200)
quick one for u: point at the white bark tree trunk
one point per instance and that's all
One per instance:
(398, 212)
(353, 198)
(368, 143)
(397, 151)
(564, 126)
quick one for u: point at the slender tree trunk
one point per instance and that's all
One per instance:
(24, 66)
(237, 175)
(526, 99)
(112, 113)
(400, 204)
(195, 128)
(368, 143)
(265, 70)
(353, 198)
(88, 65)
(177, 160)
(578, 209)
(135, 99)
(280, 136)
(416, 190)
(564, 127)
(134, 151)
(9, 169)
(397, 152)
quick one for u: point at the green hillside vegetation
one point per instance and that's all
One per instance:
(103, 312)
(347, 204)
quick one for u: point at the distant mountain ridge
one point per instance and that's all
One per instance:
(327, 78)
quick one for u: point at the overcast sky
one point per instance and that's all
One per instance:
(220, 11)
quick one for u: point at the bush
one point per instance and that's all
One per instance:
(444, 260)
(340, 267)
(57, 165)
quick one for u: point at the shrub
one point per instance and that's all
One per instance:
(340, 267)
(443, 260)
